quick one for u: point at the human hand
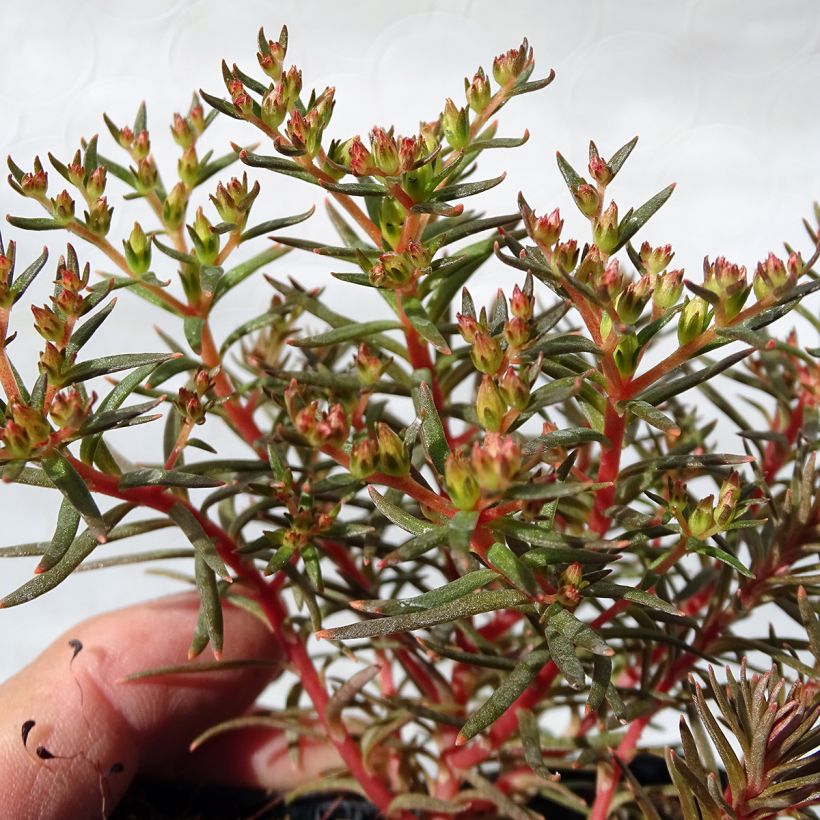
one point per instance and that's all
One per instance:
(92, 731)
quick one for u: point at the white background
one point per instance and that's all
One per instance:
(723, 95)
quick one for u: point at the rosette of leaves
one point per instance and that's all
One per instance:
(499, 510)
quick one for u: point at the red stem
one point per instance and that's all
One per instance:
(614, 426)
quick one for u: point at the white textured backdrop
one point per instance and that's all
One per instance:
(723, 94)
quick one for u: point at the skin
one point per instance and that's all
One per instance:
(90, 718)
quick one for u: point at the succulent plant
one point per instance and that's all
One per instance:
(489, 515)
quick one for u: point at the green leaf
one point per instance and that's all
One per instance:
(112, 364)
(606, 589)
(398, 516)
(417, 316)
(508, 564)
(682, 462)
(204, 546)
(432, 431)
(80, 549)
(355, 188)
(463, 189)
(68, 520)
(720, 554)
(641, 216)
(152, 477)
(569, 174)
(422, 804)
(504, 695)
(475, 604)
(192, 327)
(276, 224)
(453, 591)
(23, 280)
(344, 696)
(353, 332)
(545, 492)
(223, 106)
(566, 439)
(202, 667)
(417, 546)
(461, 528)
(652, 416)
(67, 480)
(210, 609)
(617, 160)
(87, 329)
(34, 223)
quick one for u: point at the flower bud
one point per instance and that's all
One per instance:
(333, 427)
(233, 202)
(173, 209)
(391, 220)
(490, 406)
(27, 428)
(271, 58)
(48, 324)
(360, 161)
(570, 585)
(292, 85)
(605, 229)
(62, 208)
(565, 256)
(701, 519)
(630, 301)
(385, 152)
(96, 182)
(599, 170)
(196, 116)
(496, 462)
(478, 91)
(508, 67)
(455, 122)
(191, 406)
(203, 380)
(364, 457)
(324, 105)
(273, 109)
(694, 319)
(626, 355)
(654, 260)
(204, 238)
(728, 282)
(517, 332)
(587, 199)
(188, 167)
(461, 482)
(125, 138)
(467, 327)
(242, 101)
(181, 131)
(393, 271)
(668, 289)
(521, 305)
(393, 456)
(137, 250)
(68, 409)
(76, 170)
(486, 352)
(591, 268)
(411, 152)
(771, 279)
(513, 389)
(142, 145)
(544, 230)
(146, 176)
(98, 217)
(728, 497)
(369, 365)
(51, 362)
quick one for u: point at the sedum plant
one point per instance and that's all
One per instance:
(493, 541)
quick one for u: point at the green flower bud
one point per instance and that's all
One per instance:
(182, 132)
(455, 122)
(364, 457)
(668, 289)
(728, 282)
(461, 482)
(496, 462)
(626, 355)
(515, 392)
(393, 456)
(62, 208)
(605, 229)
(96, 182)
(728, 497)
(694, 319)
(478, 91)
(137, 250)
(490, 406)
(273, 109)
(771, 279)
(508, 67)
(655, 260)
(188, 167)
(701, 519)
(587, 199)
(486, 352)
(204, 238)
(98, 217)
(173, 209)
(385, 152)
(630, 301)
(544, 230)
